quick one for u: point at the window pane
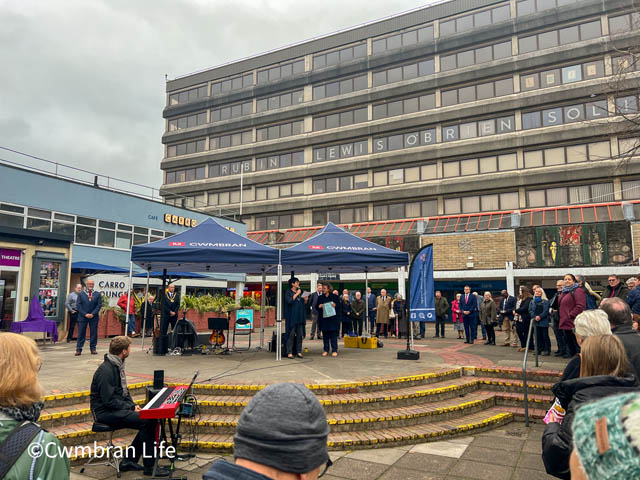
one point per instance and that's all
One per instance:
(484, 54)
(427, 67)
(556, 196)
(509, 201)
(507, 162)
(504, 87)
(527, 44)
(502, 50)
(447, 28)
(428, 172)
(412, 210)
(579, 194)
(599, 151)
(550, 78)
(485, 90)
(346, 183)
(429, 208)
(379, 46)
(285, 190)
(396, 176)
(488, 164)
(412, 174)
(410, 71)
(451, 206)
(577, 153)
(106, 238)
(297, 188)
(379, 178)
(602, 192)
(489, 203)
(394, 75)
(451, 169)
(469, 167)
(533, 159)
(571, 74)
(550, 39)
(379, 111)
(449, 98)
(448, 63)
(501, 14)
(591, 30)
(464, 23)
(85, 235)
(465, 58)
(123, 240)
(396, 211)
(619, 24)
(467, 94)
(482, 19)
(554, 156)
(536, 198)
(380, 212)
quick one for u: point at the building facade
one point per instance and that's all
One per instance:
(49, 227)
(458, 124)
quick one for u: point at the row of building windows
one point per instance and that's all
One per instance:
(273, 192)
(340, 87)
(403, 39)
(491, 202)
(341, 119)
(475, 20)
(557, 155)
(624, 23)
(281, 100)
(85, 230)
(280, 72)
(282, 130)
(475, 56)
(341, 184)
(341, 55)
(481, 91)
(527, 7)
(404, 106)
(470, 93)
(530, 120)
(563, 75)
(418, 35)
(404, 72)
(561, 36)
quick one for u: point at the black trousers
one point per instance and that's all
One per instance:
(522, 329)
(357, 325)
(491, 333)
(381, 326)
(73, 319)
(143, 441)
(296, 333)
(166, 321)
(559, 336)
(440, 324)
(542, 337)
(570, 343)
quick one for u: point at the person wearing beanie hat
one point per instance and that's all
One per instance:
(606, 439)
(281, 434)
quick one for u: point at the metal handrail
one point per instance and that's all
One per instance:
(524, 368)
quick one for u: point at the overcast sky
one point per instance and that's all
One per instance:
(82, 82)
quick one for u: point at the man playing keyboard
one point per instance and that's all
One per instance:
(112, 405)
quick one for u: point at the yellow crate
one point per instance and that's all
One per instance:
(351, 342)
(367, 342)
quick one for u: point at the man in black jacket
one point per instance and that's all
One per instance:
(616, 288)
(112, 405)
(619, 315)
(554, 312)
(170, 309)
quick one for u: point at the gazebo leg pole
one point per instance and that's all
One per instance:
(127, 312)
(366, 302)
(279, 315)
(146, 303)
(262, 304)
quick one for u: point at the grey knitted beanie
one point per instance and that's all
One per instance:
(283, 426)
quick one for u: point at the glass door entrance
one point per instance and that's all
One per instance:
(8, 297)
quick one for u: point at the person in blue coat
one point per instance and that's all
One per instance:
(88, 305)
(539, 311)
(328, 320)
(294, 314)
(469, 307)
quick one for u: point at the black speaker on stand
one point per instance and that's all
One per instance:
(161, 345)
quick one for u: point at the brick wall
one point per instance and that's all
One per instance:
(635, 235)
(489, 250)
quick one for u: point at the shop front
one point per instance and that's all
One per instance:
(32, 264)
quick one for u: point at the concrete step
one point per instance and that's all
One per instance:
(384, 437)
(533, 374)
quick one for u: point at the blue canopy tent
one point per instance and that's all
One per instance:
(208, 247)
(334, 250)
(91, 268)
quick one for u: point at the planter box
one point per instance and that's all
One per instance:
(109, 325)
(269, 318)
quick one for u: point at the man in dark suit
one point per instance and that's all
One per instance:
(88, 304)
(371, 311)
(170, 308)
(469, 308)
(151, 314)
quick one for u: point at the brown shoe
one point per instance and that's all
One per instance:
(78, 353)
(94, 352)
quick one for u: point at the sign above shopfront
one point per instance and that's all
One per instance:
(10, 257)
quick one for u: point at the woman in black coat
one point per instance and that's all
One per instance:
(602, 373)
(524, 317)
(344, 314)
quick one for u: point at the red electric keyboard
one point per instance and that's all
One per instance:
(166, 402)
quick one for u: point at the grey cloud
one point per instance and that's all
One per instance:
(82, 81)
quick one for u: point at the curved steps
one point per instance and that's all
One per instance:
(362, 414)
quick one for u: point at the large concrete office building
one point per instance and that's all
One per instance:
(493, 129)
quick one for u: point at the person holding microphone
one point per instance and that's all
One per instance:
(294, 315)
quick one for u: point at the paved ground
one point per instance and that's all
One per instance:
(509, 453)
(63, 372)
